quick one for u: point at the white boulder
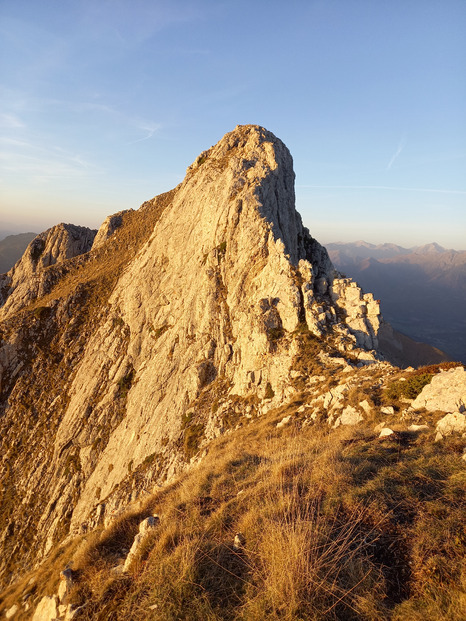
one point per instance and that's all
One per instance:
(446, 392)
(385, 432)
(451, 423)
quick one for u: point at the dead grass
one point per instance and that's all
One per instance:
(337, 525)
(44, 579)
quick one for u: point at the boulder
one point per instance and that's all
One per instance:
(366, 406)
(144, 529)
(418, 428)
(284, 422)
(148, 524)
(388, 409)
(10, 613)
(451, 423)
(446, 392)
(46, 609)
(239, 541)
(66, 582)
(349, 416)
(385, 432)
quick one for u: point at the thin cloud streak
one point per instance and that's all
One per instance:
(150, 129)
(400, 148)
(10, 121)
(35, 162)
(380, 187)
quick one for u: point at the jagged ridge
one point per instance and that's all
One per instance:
(114, 378)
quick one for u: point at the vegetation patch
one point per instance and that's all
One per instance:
(269, 391)
(335, 525)
(274, 334)
(220, 251)
(40, 312)
(408, 388)
(192, 437)
(125, 383)
(157, 332)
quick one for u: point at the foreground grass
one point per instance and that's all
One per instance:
(336, 525)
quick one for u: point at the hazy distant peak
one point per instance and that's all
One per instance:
(12, 248)
(429, 248)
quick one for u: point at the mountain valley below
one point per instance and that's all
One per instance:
(422, 289)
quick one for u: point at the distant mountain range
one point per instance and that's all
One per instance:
(12, 248)
(422, 289)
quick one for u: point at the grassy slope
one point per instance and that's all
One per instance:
(337, 525)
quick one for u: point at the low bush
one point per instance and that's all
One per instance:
(409, 388)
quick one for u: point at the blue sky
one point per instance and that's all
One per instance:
(104, 104)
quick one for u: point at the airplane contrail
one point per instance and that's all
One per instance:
(400, 148)
(381, 187)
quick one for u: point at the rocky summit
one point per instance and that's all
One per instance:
(126, 352)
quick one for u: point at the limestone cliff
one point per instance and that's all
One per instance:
(29, 279)
(118, 363)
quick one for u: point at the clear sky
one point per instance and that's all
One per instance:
(104, 104)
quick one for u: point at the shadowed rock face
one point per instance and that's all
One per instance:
(107, 228)
(194, 299)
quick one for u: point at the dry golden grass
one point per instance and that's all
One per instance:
(336, 525)
(44, 579)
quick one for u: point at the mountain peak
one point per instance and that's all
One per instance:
(206, 296)
(431, 248)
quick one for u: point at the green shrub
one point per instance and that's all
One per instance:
(192, 438)
(125, 383)
(410, 388)
(269, 391)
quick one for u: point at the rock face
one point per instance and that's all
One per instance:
(107, 228)
(12, 249)
(46, 610)
(28, 279)
(194, 302)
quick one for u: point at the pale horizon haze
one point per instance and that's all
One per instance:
(105, 103)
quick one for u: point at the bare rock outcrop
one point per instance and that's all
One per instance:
(114, 384)
(454, 422)
(108, 227)
(28, 279)
(145, 528)
(446, 392)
